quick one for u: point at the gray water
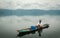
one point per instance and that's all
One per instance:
(9, 25)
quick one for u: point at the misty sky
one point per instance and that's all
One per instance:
(30, 4)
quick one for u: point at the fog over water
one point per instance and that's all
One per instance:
(9, 25)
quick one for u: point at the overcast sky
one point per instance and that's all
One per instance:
(30, 4)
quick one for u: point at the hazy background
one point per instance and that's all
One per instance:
(20, 14)
(10, 22)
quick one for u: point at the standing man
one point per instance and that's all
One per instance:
(39, 27)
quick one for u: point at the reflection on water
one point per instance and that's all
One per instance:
(9, 25)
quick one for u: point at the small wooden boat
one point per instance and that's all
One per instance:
(28, 31)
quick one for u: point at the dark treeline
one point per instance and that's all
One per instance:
(34, 12)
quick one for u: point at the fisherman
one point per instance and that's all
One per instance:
(39, 27)
(39, 24)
